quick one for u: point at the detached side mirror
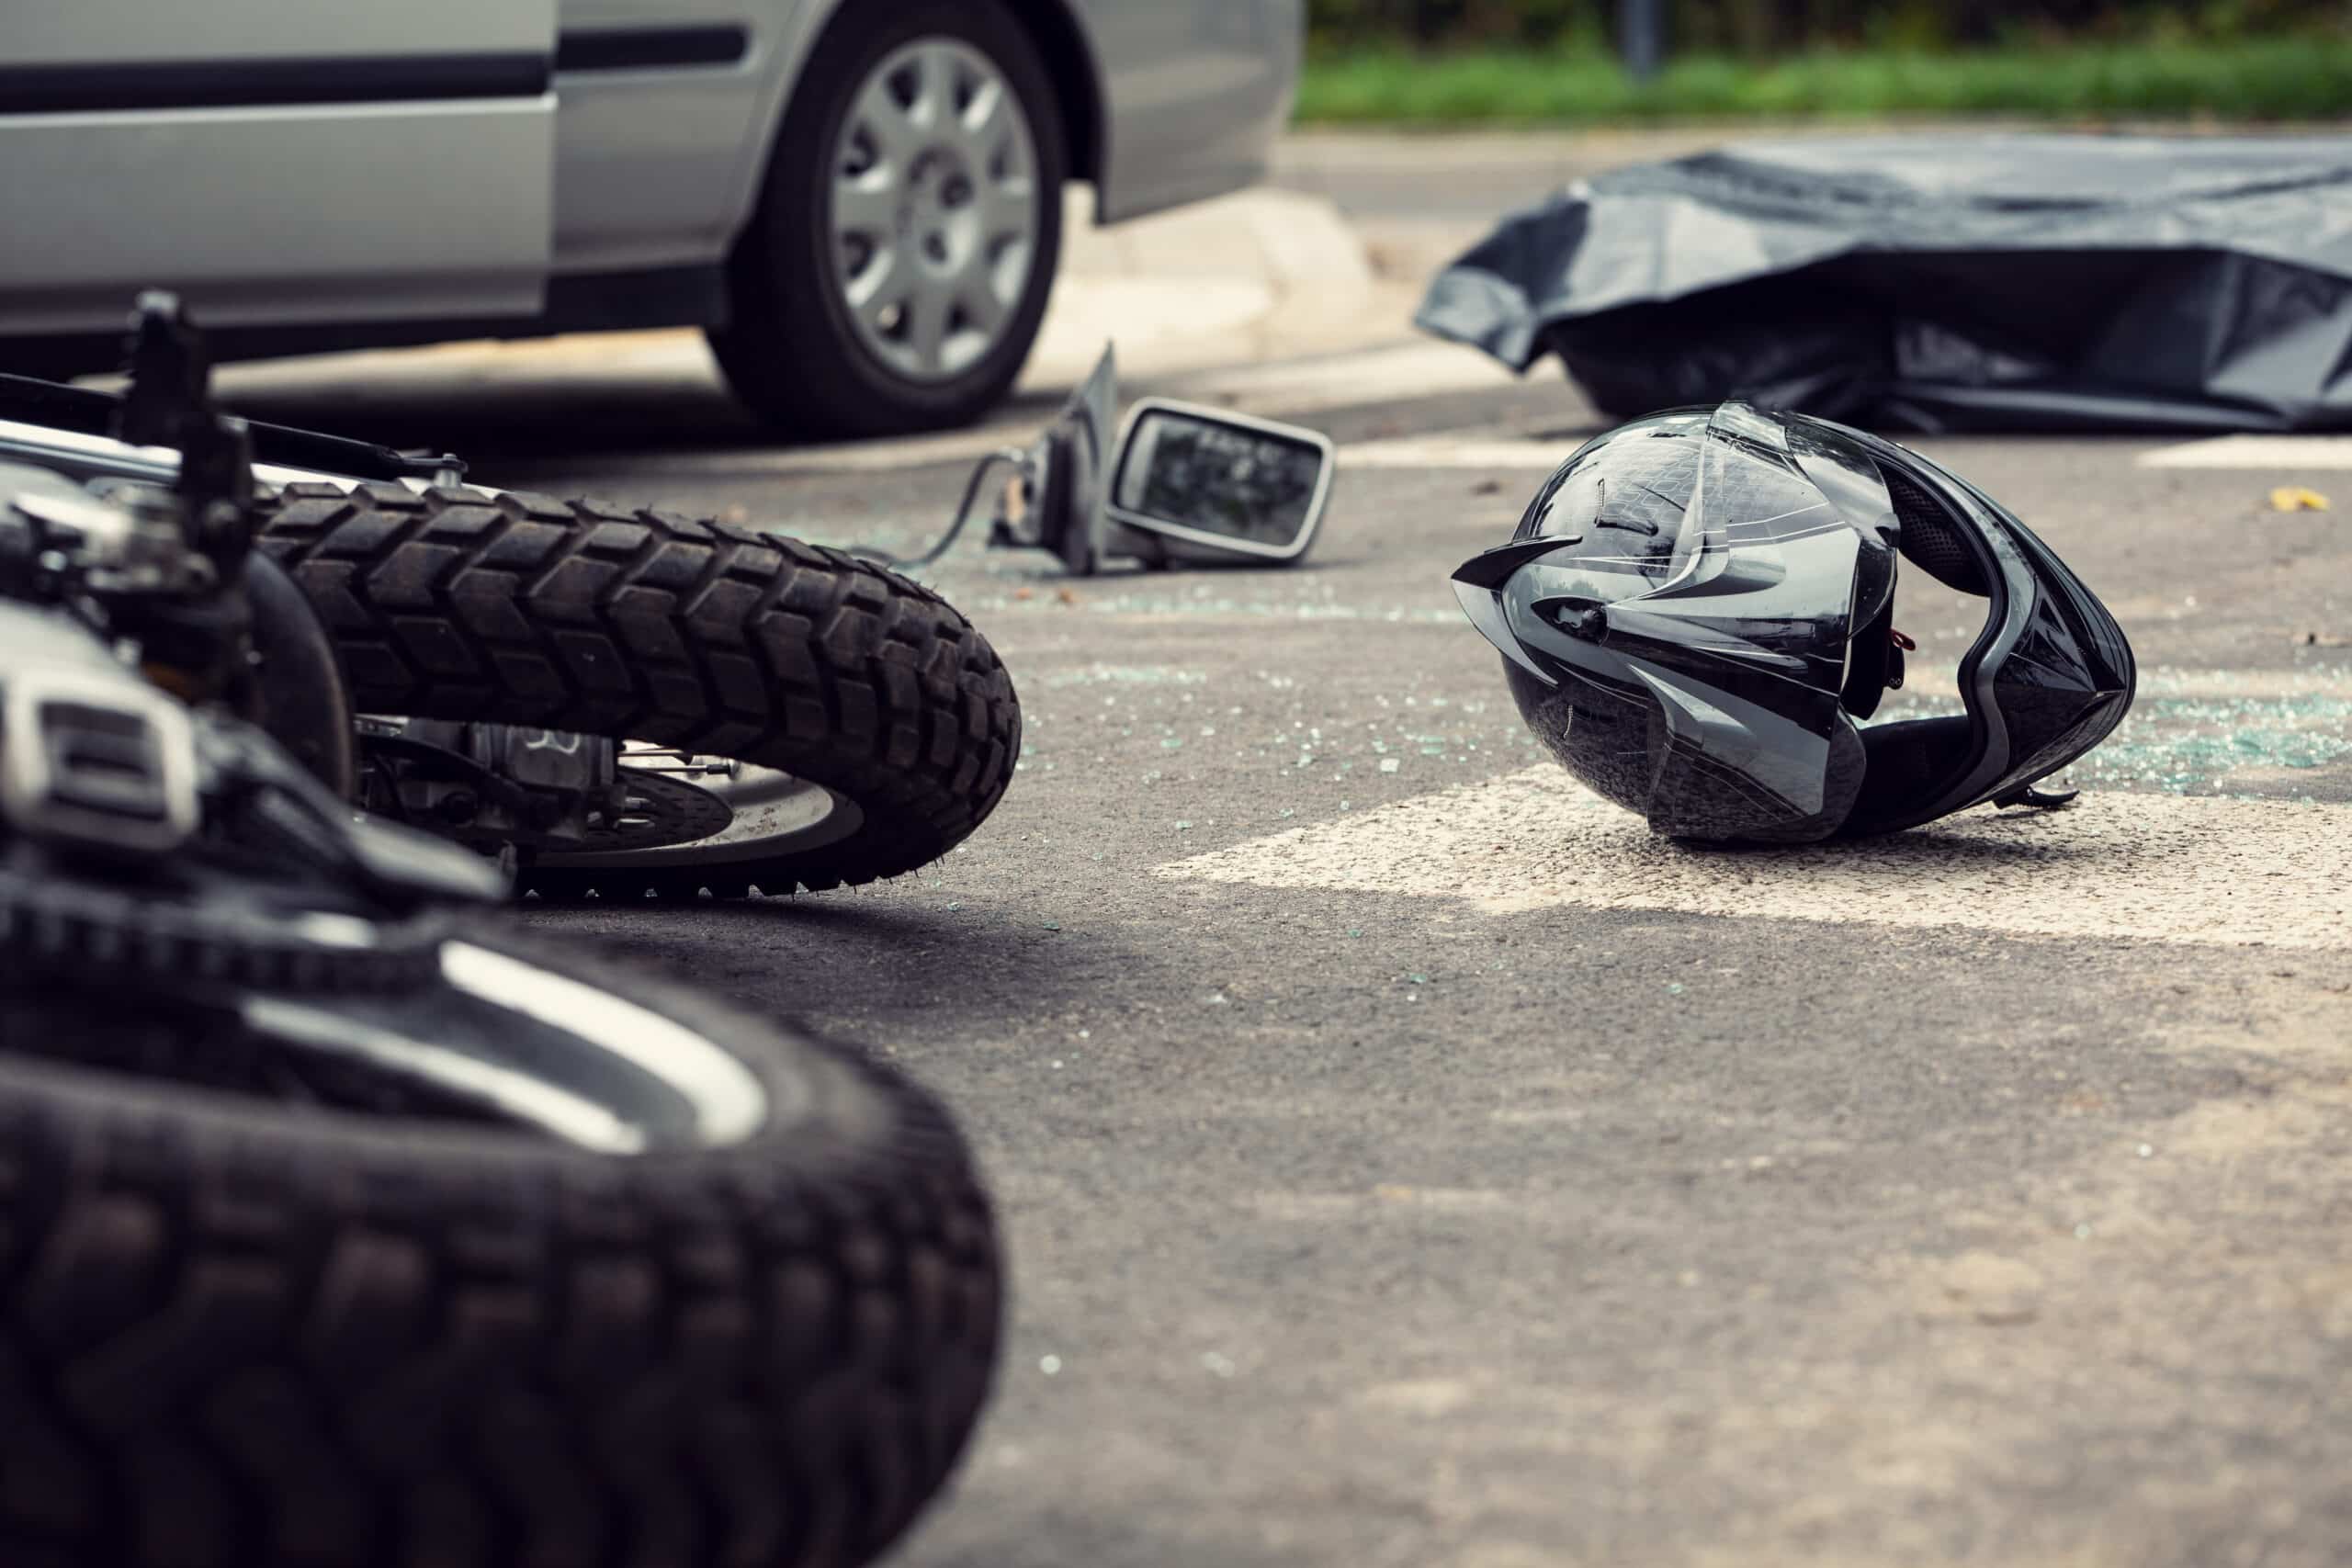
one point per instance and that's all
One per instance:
(1055, 500)
(1181, 485)
(1198, 486)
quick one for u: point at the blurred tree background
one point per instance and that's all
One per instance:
(1758, 28)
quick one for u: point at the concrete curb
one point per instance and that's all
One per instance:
(1244, 278)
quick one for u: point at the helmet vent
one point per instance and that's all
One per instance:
(1931, 541)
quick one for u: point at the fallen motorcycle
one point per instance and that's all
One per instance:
(343, 1224)
(632, 702)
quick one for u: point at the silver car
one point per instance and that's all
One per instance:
(860, 200)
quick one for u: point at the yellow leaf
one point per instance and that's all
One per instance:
(2295, 498)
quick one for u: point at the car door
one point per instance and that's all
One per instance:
(1194, 93)
(276, 161)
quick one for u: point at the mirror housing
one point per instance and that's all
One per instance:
(1181, 484)
(1204, 487)
(1055, 501)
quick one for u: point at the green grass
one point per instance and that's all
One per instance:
(2259, 79)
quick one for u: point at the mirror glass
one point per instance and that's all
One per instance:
(1234, 480)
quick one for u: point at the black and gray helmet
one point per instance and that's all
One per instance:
(1698, 607)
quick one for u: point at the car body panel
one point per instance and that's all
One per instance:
(663, 167)
(276, 160)
(83, 31)
(458, 206)
(1195, 96)
(296, 248)
(651, 161)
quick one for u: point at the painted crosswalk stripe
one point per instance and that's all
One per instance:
(2156, 868)
(2288, 455)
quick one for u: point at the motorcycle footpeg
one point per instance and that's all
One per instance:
(96, 763)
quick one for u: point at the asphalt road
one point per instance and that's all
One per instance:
(1407, 1162)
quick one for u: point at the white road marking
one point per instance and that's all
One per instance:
(2157, 867)
(1292, 388)
(1300, 389)
(2290, 454)
(1940, 682)
(848, 456)
(1404, 370)
(2287, 455)
(1456, 452)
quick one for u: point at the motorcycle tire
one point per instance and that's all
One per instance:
(457, 604)
(242, 1332)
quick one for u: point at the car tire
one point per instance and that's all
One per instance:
(796, 349)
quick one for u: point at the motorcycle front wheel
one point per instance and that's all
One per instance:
(520, 1264)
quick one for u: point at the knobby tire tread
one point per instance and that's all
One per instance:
(233, 1337)
(456, 604)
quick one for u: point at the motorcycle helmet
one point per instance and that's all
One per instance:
(1697, 612)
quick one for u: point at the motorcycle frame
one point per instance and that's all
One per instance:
(84, 454)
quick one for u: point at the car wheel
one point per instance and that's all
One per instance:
(895, 274)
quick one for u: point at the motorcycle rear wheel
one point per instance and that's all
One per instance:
(457, 604)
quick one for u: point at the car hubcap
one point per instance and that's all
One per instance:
(935, 204)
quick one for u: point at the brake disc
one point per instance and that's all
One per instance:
(663, 809)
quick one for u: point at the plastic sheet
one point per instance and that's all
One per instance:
(1941, 282)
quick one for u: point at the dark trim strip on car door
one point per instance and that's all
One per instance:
(643, 49)
(253, 84)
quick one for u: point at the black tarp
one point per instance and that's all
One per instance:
(1941, 282)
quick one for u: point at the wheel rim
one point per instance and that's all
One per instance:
(934, 209)
(769, 813)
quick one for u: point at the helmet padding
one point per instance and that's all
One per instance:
(1929, 540)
